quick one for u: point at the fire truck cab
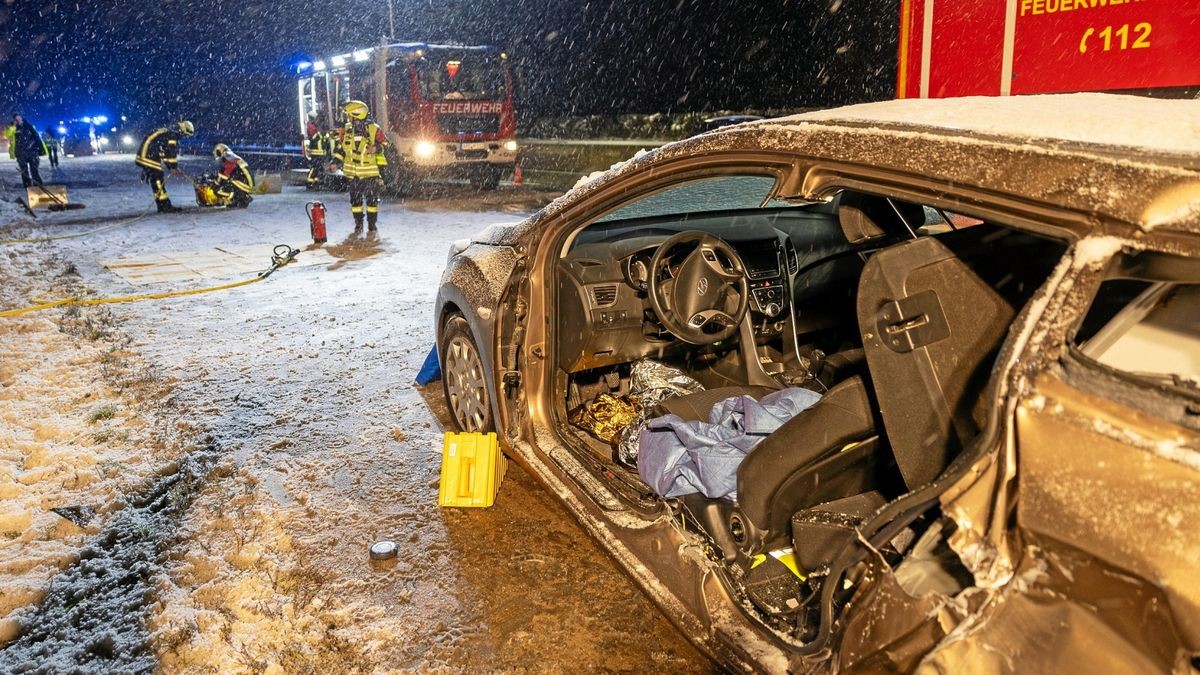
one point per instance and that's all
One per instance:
(447, 109)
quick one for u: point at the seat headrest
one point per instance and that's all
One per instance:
(864, 217)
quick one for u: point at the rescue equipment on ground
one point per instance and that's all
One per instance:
(268, 182)
(281, 255)
(383, 550)
(49, 197)
(206, 191)
(472, 469)
(430, 370)
(316, 222)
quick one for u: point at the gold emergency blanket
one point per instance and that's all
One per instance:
(604, 416)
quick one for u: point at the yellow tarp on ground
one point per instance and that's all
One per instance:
(212, 263)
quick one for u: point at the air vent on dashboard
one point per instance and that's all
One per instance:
(789, 251)
(604, 296)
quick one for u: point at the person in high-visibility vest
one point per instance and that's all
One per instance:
(360, 144)
(234, 180)
(159, 153)
(315, 150)
(28, 150)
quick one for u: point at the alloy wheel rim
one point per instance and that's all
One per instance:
(465, 384)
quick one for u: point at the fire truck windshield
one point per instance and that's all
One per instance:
(461, 76)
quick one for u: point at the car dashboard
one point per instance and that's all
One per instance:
(604, 309)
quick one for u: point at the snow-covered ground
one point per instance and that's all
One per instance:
(307, 442)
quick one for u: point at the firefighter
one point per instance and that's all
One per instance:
(28, 149)
(234, 180)
(315, 148)
(360, 144)
(53, 145)
(158, 154)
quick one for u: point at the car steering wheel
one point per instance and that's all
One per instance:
(704, 298)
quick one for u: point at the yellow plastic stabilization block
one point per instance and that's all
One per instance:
(43, 196)
(472, 468)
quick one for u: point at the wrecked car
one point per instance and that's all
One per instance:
(993, 308)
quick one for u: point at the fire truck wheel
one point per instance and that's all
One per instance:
(464, 380)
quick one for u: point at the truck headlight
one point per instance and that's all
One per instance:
(510, 146)
(424, 149)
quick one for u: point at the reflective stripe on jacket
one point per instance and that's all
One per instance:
(360, 149)
(315, 141)
(159, 148)
(235, 170)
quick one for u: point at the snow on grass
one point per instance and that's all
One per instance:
(242, 596)
(73, 435)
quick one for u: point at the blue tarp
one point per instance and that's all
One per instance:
(677, 457)
(431, 370)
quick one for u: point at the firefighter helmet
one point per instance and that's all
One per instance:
(186, 128)
(219, 150)
(355, 109)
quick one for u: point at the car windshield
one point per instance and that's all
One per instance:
(461, 76)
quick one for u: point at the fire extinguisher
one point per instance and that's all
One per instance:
(316, 221)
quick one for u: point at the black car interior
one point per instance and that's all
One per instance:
(888, 309)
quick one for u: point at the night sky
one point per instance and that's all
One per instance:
(225, 65)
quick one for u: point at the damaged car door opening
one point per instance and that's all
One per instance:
(800, 423)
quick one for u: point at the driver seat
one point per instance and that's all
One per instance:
(695, 407)
(826, 452)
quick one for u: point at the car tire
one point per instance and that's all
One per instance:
(464, 378)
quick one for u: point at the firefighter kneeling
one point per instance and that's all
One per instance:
(360, 144)
(234, 182)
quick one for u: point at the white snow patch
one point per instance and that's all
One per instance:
(67, 440)
(492, 233)
(1093, 251)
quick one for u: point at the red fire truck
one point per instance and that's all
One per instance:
(447, 109)
(1002, 47)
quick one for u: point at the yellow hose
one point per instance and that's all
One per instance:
(38, 240)
(277, 260)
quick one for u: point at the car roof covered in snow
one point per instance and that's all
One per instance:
(1125, 161)
(1127, 158)
(1135, 122)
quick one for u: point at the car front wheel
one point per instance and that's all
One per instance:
(463, 377)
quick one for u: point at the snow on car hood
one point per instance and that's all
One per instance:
(1171, 126)
(494, 234)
